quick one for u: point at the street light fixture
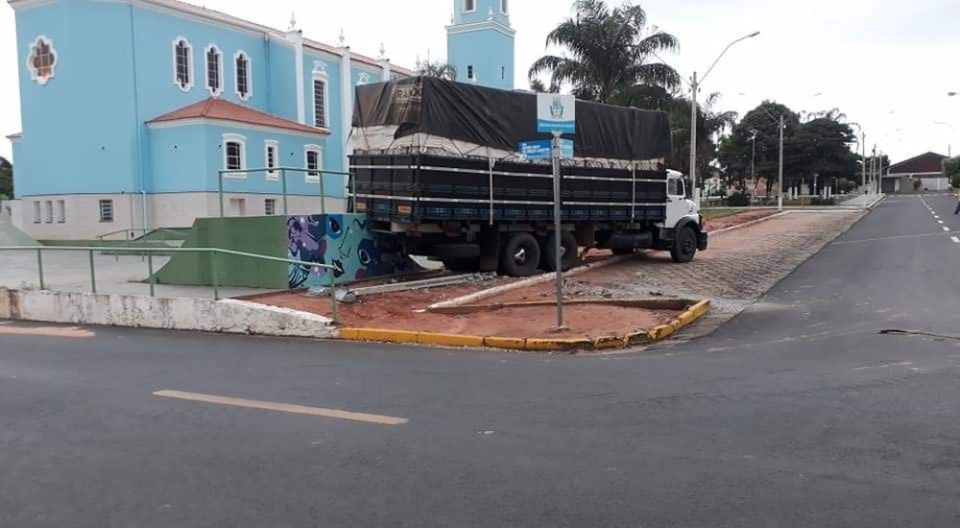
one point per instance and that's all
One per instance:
(863, 147)
(695, 86)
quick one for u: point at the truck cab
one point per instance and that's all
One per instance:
(683, 228)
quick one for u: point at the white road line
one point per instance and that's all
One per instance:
(955, 240)
(886, 365)
(282, 407)
(940, 222)
(947, 229)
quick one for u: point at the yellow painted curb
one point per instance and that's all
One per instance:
(657, 333)
(547, 345)
(452, 340)
(509, 343)
(379, 334)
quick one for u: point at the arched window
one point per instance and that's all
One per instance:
(183, 64)
(42, 60)
(214, 70)
(244, 80)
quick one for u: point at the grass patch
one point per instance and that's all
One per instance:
(713, 214)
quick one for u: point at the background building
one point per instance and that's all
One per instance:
(131, 107)
(927, 169)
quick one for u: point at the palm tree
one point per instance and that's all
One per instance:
(609, 52)
(711, 124)
(439, 69)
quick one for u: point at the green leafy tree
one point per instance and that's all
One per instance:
(711, 125)
(608, 50)
(951, 169)
(6, 178)
(736, 150)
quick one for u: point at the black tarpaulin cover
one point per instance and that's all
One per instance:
(503, 119)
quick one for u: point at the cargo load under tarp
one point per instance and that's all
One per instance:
(501, 120)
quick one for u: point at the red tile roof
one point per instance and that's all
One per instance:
(214, 108)
(928, 162)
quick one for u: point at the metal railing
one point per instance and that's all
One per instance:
(214, 265)
(282, 172)
(131, 234)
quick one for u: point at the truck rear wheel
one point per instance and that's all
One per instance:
(684, 245)
(568, 251)
(520, 255)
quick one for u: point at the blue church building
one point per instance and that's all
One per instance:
(132, 108)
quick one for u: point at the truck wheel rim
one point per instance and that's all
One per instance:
(520, 256)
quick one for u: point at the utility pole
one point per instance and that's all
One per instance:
(783, 125)
(693, 139)
(753, 156)
(694, 88)
(863, 144)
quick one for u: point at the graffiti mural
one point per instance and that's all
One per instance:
(342, 241)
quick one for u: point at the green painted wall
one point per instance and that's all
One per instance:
(260, 235)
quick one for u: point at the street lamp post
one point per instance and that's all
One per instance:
(695, 86)
(863, 148)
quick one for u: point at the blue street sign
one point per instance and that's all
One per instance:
(556, 114)
(541, 149)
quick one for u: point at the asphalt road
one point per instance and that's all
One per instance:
(796, 413)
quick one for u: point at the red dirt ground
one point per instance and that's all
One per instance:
(404, 310)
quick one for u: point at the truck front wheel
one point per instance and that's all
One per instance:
(520, 255)
(684, 245)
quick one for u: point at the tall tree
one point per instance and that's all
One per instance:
(608, 52)
(6, 178)
(816, 147)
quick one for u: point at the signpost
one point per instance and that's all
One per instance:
(542, 149)
(556, 114)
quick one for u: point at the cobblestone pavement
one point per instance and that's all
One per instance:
(739, 267)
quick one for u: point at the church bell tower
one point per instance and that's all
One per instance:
(480, 43)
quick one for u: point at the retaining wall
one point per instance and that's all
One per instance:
(204, 315)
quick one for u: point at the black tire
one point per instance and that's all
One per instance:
(569, 251)
(520, 255)
(469, 265)
(684, 245)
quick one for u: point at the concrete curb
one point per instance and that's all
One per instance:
(747, 224)
(532, 281)
(645, 337)
(204, 315)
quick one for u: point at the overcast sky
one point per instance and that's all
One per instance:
(886, 64)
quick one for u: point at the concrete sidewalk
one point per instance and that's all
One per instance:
(69, 271)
